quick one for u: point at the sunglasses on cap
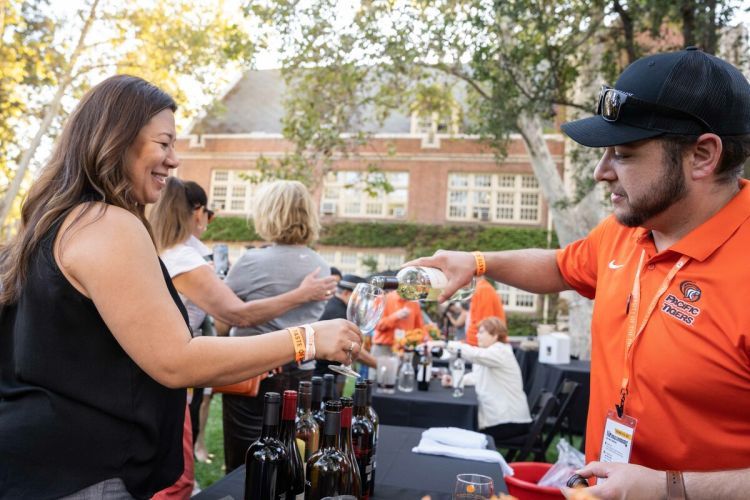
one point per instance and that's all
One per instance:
(611, 101)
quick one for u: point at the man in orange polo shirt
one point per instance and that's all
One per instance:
(668, 272)
(398, 314)
(485, 303)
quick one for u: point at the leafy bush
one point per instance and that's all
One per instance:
(416, 239)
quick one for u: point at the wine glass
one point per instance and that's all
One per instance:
(364, 310)
(473, 487)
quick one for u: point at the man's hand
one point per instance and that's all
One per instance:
(459, 268)
(624, 482)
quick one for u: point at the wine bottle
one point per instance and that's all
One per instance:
(346, 446)
(329, 387)
(294, 484)
(373, 416)
(266, 458)
(421, 283)
(308, 431)
(424, 373)
(328, 470)
(458, 369)
(317, 397)
(363, 435)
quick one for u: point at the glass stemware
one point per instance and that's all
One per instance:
(364, 310)
(473, 487)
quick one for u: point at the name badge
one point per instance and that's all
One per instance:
(617, 442)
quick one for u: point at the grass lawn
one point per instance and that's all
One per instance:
(208, 473)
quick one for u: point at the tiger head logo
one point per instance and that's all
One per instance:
(690, 291)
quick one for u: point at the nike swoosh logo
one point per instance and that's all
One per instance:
(612, 264)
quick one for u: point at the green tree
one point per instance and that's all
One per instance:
(173, 44)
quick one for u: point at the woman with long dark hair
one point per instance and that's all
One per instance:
(94, 345)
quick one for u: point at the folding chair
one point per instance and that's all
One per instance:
(565, 396)
(519, 447)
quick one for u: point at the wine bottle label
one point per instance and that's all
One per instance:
(437, 278)
(301, 447)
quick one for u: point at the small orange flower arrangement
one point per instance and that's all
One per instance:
(412, 338)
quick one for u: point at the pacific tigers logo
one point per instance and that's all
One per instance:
(690, 291)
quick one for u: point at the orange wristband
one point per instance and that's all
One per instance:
(298, 338)
(481, 264)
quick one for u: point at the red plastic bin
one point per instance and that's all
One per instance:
(522, 484)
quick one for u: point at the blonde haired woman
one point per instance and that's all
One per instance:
(285, 216)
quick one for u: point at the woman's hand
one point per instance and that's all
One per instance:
(337, 340)
(459, 268)
(313, 288)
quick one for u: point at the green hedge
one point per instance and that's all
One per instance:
(416, 239)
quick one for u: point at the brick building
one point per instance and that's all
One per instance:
(439, 175)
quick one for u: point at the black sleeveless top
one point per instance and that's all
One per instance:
(74, 408)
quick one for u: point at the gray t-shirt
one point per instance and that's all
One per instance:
(271, 271)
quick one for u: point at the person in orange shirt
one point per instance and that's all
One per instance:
(485, 303)
(667, 271)
(398, 314)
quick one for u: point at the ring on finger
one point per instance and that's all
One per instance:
(351, 348)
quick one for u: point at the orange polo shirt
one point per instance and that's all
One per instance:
(484, 303)
(386, 327)
(690, 367)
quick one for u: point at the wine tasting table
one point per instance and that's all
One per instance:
(401, 474)
(433, 408)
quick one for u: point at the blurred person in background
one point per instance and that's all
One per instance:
(399, 315)
(286, 217)
(485, 303)
(95, 345)
(454, 321)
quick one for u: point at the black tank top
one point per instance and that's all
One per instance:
(74, 408)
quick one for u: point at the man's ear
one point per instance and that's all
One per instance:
(704, 156)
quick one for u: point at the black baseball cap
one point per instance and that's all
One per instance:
(349, 281)
(687, 92)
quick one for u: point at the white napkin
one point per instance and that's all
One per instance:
(453, 436)
(427, 446)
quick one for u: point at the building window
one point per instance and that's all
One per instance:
(344, 195)
(516, 300)
(494, 198)
(361, 262)
(230, 192)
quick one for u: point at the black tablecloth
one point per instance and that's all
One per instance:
(549, 377)
(527, 361)
(401, 474)
(434, 408)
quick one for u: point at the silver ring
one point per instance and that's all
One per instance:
(351, 348)
(328, 292)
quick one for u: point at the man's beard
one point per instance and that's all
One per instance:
(669, 189)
